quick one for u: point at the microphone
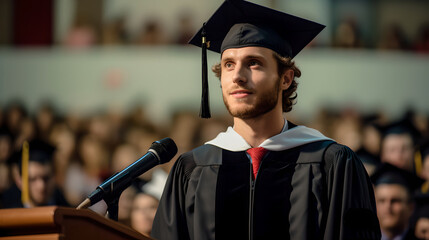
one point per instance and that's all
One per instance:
(159, 152)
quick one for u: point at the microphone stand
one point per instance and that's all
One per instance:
(112, 201)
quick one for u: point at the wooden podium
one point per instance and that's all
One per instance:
(60, 223)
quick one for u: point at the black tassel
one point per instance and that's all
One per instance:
(205, 106)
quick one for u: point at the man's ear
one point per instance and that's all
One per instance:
(286, 79)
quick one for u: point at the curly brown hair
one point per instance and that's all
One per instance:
(283, 63)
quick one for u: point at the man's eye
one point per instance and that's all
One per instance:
(228, 65)
(254, 63)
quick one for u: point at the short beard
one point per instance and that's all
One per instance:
(264, 104)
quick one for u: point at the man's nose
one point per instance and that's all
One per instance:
(239, 76)
(42, 182)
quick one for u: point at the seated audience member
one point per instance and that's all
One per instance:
(419, 224)
(90, 170)
(41, 184)
(369, 153)
(64, 140)
(123, 156)
(143, 212)
(45, 119)
(5, 151)
(397, 146)
(14, 113)
(125, 205)
(394, 189)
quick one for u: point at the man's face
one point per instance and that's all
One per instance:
(250, 82)
(143, 213)
(397, 149)
(40, 182)
(422, 229)
(393, 207)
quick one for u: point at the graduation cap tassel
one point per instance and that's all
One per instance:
(205, 107)
(25, 196)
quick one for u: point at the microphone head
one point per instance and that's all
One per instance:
(165, 148)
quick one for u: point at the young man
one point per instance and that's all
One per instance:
(397, 147)
(394, 193)
(42, 190)
(307, 186)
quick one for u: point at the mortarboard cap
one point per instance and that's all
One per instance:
(389, 174)
(403, 126)
(240, 23)
(39, 151)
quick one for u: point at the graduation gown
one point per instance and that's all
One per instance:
(313, 190)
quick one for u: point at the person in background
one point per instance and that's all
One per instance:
(64, 140)
(5, 152)
(125, 205)
(44, 120)
(14, 113)
(348, 129)
(419, 224)
(123, 156)
(397, 146)
(369, 153)
(394, 190)
(42, 190)
(143, 212)
(89, 171)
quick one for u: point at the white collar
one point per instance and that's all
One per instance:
(287, 139)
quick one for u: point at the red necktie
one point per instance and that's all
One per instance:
(256, 154)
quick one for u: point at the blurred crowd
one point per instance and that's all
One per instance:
(71, 154)
(392, 37)
(90, 24)
(395, 154)
(347, 35)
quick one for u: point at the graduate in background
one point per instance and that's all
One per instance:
(33, 177)
(419, 224)
(395, 189)
(265, 177)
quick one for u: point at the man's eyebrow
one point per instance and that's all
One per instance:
(255, 57)
(246, 57)
(227, 59)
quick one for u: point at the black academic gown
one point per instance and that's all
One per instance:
(210, 194)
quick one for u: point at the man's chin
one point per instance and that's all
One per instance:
(391, 224)
(41, 202)
(242, 113)
(249, 110)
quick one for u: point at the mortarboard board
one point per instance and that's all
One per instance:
(39, 151)
(403, 126)
(240, 23)
(389, 174)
